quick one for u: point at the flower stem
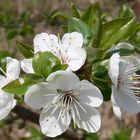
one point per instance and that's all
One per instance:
(99, 79)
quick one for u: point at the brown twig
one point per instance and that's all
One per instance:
(121, 2)
(26, 114)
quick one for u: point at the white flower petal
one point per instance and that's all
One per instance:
(55, 46)
(124, 45)
(38, 95)
(14, 103)
(135, 60)
(42, 42)
(63, 80)
(89, 94)
(21, 80)
(55, 124)
(116, 109)
(113, 69)
(89, 120)
(121, 45)
(76, 58)
(6, 104)
(12, 68)
(26, 65)
(127, 102)
(3, 81)
(74, 39)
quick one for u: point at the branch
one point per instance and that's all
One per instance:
(26, 114)
(121, 2)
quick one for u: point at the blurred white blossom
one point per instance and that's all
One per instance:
(125, 85)
(7, 101)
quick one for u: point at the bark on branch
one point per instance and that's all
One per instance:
(121, 2)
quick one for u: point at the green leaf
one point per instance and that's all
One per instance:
(74, 9)
(103, 86)
(58, 14)
(4, 54)
(101, 79)
(122, 52)
(92, 17)
(87, 16)
(26, 29)
(25, 138)
(43, 63)
(15, 87)
(35, 133)
(59, 67)
(117, 30)
(25, 49)
(126, 11)
(92, 136)
(12, 33)
(122, 134)
(93, 55)
(99, 70)
(32, 78)
(75, 24)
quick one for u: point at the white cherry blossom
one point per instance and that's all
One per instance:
(63, 97)
(69, 50)
(125, 87)
(7, 101)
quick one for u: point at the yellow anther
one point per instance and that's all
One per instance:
(134, 77)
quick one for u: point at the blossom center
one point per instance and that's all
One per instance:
(68, 101)
(129, 80)
(67, 93)
(136, 84)
(64, 57)
(66, 98)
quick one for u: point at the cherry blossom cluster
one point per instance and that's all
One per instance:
(63, 97)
